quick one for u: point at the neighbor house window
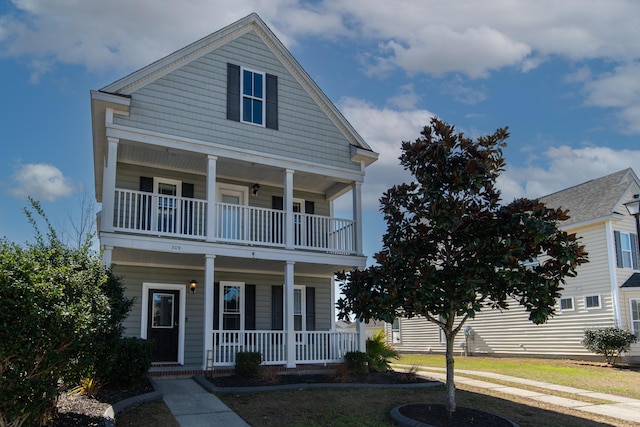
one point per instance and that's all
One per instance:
(635, 316)
(626, 250)
(252, 97)
(592, 301)
(395, 331)
(566, 304)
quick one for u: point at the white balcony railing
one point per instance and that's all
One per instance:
(142, 212)
(311, 346)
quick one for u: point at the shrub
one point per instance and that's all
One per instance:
(609, 342)
(248, 363)
(356, 362)
(131, 361)
(61, 311)
(379, 352)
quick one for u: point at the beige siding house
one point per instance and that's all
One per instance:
(217, 168)
(606, 291)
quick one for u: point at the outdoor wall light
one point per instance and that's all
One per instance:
(193, 285)
(255, 189)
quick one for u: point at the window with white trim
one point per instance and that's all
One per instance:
(566, 304)
(253, 98)
(635, 316)
(592, 301)
(232, 306)
(395, 331)
(626, 250)
(299, 309)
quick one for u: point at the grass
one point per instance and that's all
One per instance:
(154, 413)
(370, 407)
(604, 379)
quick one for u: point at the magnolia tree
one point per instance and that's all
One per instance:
(452, 249)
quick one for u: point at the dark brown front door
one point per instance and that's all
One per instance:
(162, 324)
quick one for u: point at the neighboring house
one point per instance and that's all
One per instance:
(217, 168)
(606, 291)
(371, 328)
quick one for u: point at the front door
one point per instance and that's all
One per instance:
(163, 324)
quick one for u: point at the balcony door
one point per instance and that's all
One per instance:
(232, 218)
(168, 191)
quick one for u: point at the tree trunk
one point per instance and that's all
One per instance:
(451, 386)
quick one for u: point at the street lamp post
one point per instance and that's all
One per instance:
(633, 207)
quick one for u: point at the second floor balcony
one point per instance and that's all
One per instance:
(189, 218)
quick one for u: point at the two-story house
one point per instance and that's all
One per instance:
(606, 291)
(217, 167)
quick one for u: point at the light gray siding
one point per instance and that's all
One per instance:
(191, 102)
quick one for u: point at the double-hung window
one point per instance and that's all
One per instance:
(253, 99)
(635, 316)
(626, 250)
(299, 320)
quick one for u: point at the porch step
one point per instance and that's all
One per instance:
(167, 371)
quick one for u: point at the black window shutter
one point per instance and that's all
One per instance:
(277, 309)
(277, 202)
(233, 92)
(272, 102)
(616, 235)
(634, 251)
(146, 184)
(277, 226)
(250, 307)
(311, 308)
(187, 190)
(144, 204)
(187, 209)
(216, 306)
(309, 207)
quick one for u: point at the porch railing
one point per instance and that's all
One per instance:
(149, 213)
(311, 346)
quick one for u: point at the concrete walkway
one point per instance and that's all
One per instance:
(622, 408)
(193, 406)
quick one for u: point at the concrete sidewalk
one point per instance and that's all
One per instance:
(622, 408)
(193, 406)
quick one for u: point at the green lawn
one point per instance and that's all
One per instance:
(622, 381)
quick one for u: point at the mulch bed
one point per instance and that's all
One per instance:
(436, 415)
(81, 410)
(391, 377)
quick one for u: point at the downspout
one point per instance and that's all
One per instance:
(613, 276)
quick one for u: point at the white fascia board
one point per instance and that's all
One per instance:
(159, 244)
(613, 217)
(213, 149)
(359, 155)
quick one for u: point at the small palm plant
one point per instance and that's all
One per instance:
(380, 352)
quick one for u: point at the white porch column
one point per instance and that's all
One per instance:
(107, 252)
(362, 335)
(211, 198)
(109, 185)
(209, 270)
(288, 314)
(356, 191)
(288, 209)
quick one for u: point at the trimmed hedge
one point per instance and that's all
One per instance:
(248, 363)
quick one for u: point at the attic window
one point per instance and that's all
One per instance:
(252, 97)
(253, 104)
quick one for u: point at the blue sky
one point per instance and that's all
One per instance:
(564, 76)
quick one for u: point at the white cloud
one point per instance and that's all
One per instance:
(566, 166)
(41, 181)
(384, 130)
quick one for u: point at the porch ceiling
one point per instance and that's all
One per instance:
(127, 256)
(233, 169)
